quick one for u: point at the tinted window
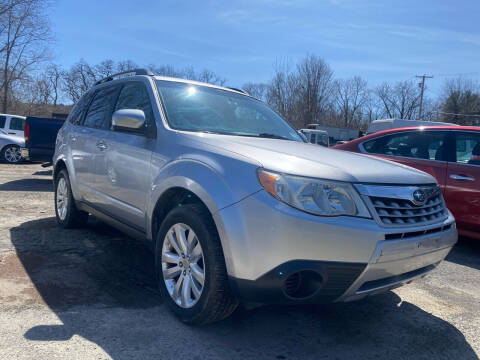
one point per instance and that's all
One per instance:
(17, 123)
(418, 145)
(468, 148)
(3, 119)
(76, 115)
(313, 138)
(100, 109)
(134, 95)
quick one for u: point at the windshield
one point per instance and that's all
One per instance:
(202, 108)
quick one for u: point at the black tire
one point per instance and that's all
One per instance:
(74, 217)
(4, 157)
(216, 301)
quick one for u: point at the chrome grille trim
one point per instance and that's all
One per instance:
(395, 206)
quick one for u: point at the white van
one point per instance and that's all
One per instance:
(12, 124)
(385, 124)
(319, 137)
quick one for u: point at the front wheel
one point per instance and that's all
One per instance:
(191, 267)
(11, 154)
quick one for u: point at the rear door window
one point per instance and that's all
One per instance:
(427, 145)
(17, 123)
(467, 148)
(3, 120)
(100, 110)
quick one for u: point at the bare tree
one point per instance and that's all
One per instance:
(350, 97)
(282, 93)
(78, 79)
(257, 90)
(315, 83)
(24, 35)
(54, 76)
(210, 77)
(400, 100)
(125, 65)
(105, 68)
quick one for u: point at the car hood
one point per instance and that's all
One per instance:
(311, 160)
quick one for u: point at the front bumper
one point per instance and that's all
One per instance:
(267, 243)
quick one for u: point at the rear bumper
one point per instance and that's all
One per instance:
(37, 154)
(25, 153)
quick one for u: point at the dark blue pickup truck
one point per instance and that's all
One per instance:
(40, 136)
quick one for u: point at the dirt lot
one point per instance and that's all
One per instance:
(90, 294)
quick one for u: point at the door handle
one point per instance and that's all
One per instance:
(461, 177)
(102, 146)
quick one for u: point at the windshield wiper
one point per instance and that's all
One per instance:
(261, 135)
(273, 136)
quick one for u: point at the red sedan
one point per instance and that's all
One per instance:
(450, 153)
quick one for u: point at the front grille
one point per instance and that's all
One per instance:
(403, 212)
(410, 234)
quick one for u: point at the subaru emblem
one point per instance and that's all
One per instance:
(419, 197)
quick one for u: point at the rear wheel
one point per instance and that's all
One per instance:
(191, 268)
(11, 154)
(67, 214)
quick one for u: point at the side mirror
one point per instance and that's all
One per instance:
(128, 120)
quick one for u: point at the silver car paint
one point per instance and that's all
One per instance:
(257, 231)
(8, 139)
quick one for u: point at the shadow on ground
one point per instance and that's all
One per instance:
(101, 286)
(43, 185)
(463, 251)
(43, 173)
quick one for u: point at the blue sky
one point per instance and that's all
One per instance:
(241, 40)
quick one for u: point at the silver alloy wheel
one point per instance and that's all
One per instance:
(183, 265)
(62, 198)
(12, 154)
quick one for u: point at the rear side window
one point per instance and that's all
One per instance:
(17, 123)
(3, 119)
(417, 145)
(134, 95)
(467, 148)
(100, 109)
(76, 115)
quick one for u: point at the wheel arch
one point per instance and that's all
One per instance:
(185, 182)
(59, 165)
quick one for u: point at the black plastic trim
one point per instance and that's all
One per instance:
(269, 288)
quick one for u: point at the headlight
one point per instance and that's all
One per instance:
(316, 196)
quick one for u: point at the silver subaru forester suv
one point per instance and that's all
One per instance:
(237, 208)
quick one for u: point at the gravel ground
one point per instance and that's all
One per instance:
(90, 294)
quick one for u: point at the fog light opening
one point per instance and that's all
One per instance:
(302, 284)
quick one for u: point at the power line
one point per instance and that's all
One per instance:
(457, 74)
(422, 85)
(447, 113)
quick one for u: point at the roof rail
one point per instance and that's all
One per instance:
(132, 72)
(239, 90)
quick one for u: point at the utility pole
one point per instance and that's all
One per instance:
(422, 86)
